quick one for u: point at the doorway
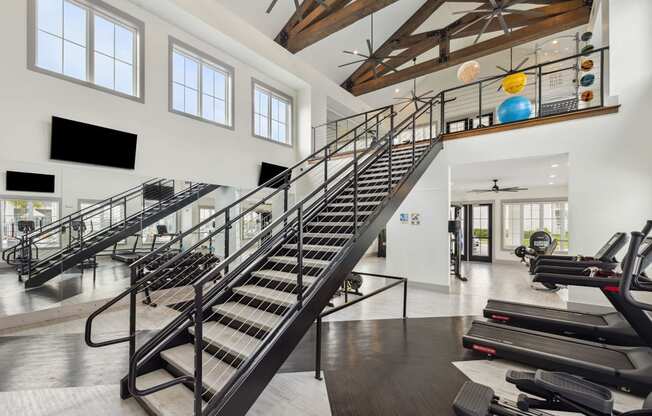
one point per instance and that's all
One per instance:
(477, 220)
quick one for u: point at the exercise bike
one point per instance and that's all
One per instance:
(541, 244)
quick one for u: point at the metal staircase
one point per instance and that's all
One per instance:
(246, 314)
(151, 201)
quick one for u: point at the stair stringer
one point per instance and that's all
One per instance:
(253, 381)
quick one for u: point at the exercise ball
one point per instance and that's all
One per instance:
(515, 108)
(587, 65)
(587, 96)
(514, 83)
(587, 80)
(468, 71)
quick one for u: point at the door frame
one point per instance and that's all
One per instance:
(468, 238)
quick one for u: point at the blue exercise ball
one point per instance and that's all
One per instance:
(515, 108)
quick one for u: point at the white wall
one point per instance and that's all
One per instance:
(499, 254)
(610, 184)
(169, 145)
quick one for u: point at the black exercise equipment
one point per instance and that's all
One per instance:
(554, 391)
(25, 255)
(605, 258)
(628, 368)
(456, 243)
(540, 243)
(78, 230)
(127, 256)
(608, 327)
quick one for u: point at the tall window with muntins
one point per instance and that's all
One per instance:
(38, 212)
(521, 219)
(272, 114)
(201, 87)
(88, 42)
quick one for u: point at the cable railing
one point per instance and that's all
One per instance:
(218, 281)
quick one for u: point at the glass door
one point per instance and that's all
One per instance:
(480, 231)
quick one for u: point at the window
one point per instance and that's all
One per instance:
(272, 114)
(38, 212)
(102, 218)
(521, 219)
(200, 86)
(204, 213)
(89, 42)
(149, 232)
(457, 125)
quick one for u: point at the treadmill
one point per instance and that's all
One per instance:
(130, 255)
(624, 367)
(604, 259)
(607, 327)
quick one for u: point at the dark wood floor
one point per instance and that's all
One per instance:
(388, 367)
(379, 367)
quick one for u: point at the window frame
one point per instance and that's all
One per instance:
(108, 12)
(540, 202)
(274, 93)
(57, 201)
(82, 201)
(212, 63)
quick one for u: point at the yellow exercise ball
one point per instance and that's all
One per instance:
(468, 71)
(514, 83)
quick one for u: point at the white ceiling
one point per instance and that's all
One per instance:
(326, 54)
(527, 172)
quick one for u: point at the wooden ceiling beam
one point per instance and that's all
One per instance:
(531, 33)
(316, 14)
(407, 28)
(335, 22)
(305, 7)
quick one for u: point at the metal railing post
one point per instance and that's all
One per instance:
(405, 298)
(414, 137)
(366, 130)
(318, 349)
(479, 106)
(602, 78)
(132, 316)
(540, 85)
(300, 257)
(355, 190)
(227, 227)
(325, 170)
(199, 349)
(432, 105)
(442, 116)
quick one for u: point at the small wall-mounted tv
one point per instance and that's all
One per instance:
(74, 141)
(29, 182)
(268, 171)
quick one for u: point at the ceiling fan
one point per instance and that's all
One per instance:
(296, 5)
(513, 70)
(497, 10)
(414, 98)
(497, 189)
(377, 60)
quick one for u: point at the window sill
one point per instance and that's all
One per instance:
(290, 145)
(203, 120)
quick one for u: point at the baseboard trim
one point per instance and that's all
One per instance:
(429, 286)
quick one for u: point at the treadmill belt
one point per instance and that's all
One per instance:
(539, 312)
(554, 346)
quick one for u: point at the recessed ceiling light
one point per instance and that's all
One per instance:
(397, 90)
(552, 176)
(355, 52)
(551, 183)
(554, 42)
(555, 165)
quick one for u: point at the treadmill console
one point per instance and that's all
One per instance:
(613, 246)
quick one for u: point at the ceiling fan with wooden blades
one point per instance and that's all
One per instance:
(296, 5)
(375, 59)
(498, 10)
(496, 189)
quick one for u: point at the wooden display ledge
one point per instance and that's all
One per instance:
(593, 112)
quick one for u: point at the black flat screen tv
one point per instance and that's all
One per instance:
(268, 171)
(29, 182)
(73, 141)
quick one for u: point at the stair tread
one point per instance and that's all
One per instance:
(249, 315)
(370, 195)
(306, 261)
(277, 297)
(314, 247)
(228, 339)
(216, 372)
(350, 204)
(174, 401)
(327, 235)
(344, 213)
(284, 277)
(333, 223)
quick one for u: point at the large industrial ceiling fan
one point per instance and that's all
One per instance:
(512, 70)
(498, 10)
(497, 189)
(375, 59)
(414, 98)
(296, 4)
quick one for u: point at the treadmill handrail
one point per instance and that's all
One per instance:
(628, 273)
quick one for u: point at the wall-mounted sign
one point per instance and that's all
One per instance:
(415, 218)
(404, 218)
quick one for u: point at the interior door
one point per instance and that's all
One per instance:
(478, 232)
